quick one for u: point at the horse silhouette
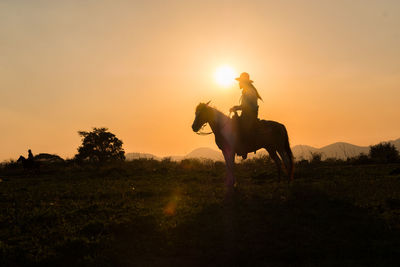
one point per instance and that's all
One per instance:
(270, 135)
(29, 164)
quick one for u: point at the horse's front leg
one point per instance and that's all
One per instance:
(229, 156)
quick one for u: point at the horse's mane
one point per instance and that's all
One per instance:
(200, 107)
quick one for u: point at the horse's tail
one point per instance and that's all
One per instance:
(289, 152)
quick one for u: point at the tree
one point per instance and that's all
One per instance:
(384, 153)
(100, 145)
(316, 157)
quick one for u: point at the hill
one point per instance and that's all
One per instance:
(135, 155)
(202, 153)
(396, 143)
(339, 150)
(206, 153)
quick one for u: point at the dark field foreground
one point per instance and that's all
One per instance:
(149, 213)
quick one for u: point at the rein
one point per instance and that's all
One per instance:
(208, 133)
(203, 133)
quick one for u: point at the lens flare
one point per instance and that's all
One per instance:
(170, 208)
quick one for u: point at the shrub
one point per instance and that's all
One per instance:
(384, 153)
(316, 157)
(360, 159)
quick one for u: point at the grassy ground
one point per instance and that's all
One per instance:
(149, 213)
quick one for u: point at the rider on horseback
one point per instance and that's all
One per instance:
(248, 106)
(30, 155)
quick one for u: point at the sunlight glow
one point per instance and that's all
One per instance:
(225, 75)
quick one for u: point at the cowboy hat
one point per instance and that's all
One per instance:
(244, 77)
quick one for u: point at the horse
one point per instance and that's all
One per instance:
(28, 164)
(269, 135)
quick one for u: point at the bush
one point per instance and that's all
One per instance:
(316, 157)
(384, 153)
(360, 159)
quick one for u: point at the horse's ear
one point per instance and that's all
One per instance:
(208, 102)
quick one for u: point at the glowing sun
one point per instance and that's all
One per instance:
(225, 75)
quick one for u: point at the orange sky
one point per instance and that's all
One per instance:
(328, 70)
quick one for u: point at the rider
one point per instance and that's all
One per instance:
(248, 105)
(30, 155)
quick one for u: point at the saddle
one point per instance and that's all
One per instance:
(247, 130)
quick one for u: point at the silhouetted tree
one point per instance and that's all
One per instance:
(362, 158)
(384, 153)
(316, 157)
(100, 145)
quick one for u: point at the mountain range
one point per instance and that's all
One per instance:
(202, 153)
(339, 150)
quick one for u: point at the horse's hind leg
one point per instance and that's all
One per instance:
(277, 160)
(287, 161)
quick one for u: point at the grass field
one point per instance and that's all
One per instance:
(150, 213)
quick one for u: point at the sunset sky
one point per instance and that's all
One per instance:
(328, 70)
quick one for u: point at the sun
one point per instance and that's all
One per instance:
(225, 75)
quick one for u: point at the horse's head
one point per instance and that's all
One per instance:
(21, 159)
(203, 113)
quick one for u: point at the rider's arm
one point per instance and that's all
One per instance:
(235, 108)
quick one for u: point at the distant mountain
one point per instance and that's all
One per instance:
(303, 151)
(396, 143)
(132, 156)
(339, 150)
(205, 152)
(202, 153)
